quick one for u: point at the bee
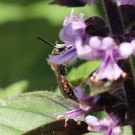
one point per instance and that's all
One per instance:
(65, 86)
(67, 89)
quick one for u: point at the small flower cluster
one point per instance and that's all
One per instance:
(92, 39)
(89, 47)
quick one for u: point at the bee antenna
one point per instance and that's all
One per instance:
(45, 41)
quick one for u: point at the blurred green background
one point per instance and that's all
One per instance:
(23, 62)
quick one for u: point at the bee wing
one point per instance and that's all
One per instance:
(66, 87)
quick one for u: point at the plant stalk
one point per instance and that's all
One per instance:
(113, 17)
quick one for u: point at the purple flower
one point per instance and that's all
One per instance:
(64, 57)
(82, 108)
(74, 114)
(126, 2)
(120, 2)
(73, 28)
(108, 125)
(107, 50)
(83, 97)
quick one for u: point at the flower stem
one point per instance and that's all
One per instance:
(113, 17)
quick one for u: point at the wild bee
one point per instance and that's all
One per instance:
(67, 89)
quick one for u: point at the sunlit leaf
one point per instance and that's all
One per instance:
(80, 73)
(28, 111)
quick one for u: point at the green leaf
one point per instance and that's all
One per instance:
(36, 112)
(127, 130)
(28, 111)
(14, 89)
(81, 72)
